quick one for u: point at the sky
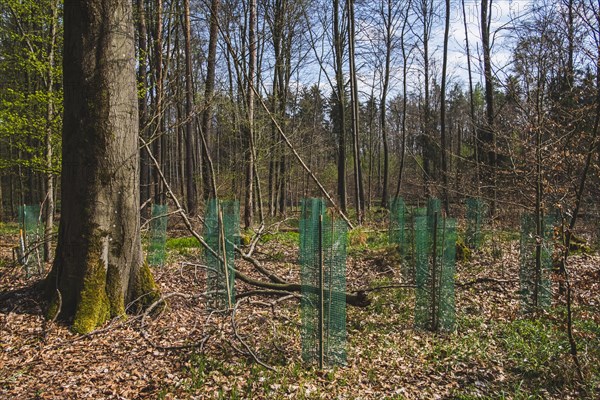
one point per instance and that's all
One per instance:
(504, 14)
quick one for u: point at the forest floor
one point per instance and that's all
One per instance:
(187, 352)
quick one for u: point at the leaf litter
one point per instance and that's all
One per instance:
(187, 351)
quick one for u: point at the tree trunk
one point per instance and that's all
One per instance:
(190, 168)
(427, 141)
(143, 109)
(471, 102)
(405, 55)
(159, 197)
(249, 152)
(49, 220)
(488, 136)
(99, 267)
(443, 112)
(387, 20)
(208, 95)
(339, 123)
(358, 181)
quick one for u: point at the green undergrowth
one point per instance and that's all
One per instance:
(361, 239)
(497, 355)
(244, 379)
(490, 359)
(182, 245)
(9, 228)
(283, 237)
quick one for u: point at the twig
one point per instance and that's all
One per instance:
(239, 338)
(398, 286)
(150, 308)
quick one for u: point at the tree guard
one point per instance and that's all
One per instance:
(323, 279)
(534, 275)
(31, 236)
(476, 210)
(222, 234)
(435, 248)
(158, 235)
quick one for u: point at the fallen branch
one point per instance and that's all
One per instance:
(358, 299)
(486, 280)
(398, 286)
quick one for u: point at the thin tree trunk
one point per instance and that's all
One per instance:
(488, 134)
(404, 98)
(190, 168)
(443, 112)
(427, 143)
(143, 109)
(358, 182)
(49, 153)
(472, 104)
(159, 141)
(208, 92)
(250, 151)
(340, 124)
(383, 103)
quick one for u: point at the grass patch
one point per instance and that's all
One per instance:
(182, 245)
(287, 238)
(361, 239)
(9, 228)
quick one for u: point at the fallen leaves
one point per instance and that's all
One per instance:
(387, 358)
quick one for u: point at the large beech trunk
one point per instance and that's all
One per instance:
(99, 268)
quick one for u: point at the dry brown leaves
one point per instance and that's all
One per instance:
(386, 357)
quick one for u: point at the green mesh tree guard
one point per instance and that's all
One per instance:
(397, 234)
(222, 234)
(323, 278)
(534, 277)
(476, 209)
(435, 246)
(31, 249)
(158, 235)
(410, 260)
(397, 224)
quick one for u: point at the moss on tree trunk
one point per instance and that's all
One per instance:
(93, 308)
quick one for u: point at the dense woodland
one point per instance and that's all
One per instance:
(232, 95)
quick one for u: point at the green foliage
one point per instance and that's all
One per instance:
(182, 244)
(361, 239)
(25, 75)
(9, 228)
(288, 238)
(463, 252)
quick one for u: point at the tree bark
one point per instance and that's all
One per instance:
(190, 168)
(49, 220)
(445, 199)
(208, 95)
(387, 21)
(159, 197)
(249, 126)
(405, 55)
(358, 181)
(99, 267)
(339, 123)
(488, 136)
(143, 109)
(471, 102)
(427, 138)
